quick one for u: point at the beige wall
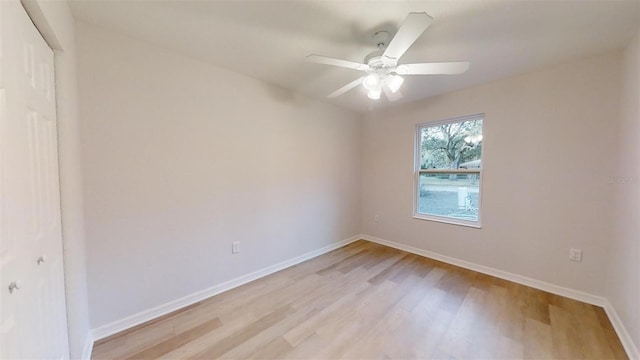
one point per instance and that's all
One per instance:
(548, 156)
(182, 158)
(54, 20)
(623, 280)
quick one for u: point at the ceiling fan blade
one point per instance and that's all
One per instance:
(392, 96)
(410, 30)
(346, 88)
(442, 68)
(337, 62)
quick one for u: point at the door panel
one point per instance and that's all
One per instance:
(33, 316)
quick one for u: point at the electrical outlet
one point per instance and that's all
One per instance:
(575, 254)
(235, 247)
(376, 217)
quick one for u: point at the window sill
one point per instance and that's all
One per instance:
(471, 224)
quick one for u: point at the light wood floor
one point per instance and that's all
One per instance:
(369, 301)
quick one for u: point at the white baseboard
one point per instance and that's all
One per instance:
(88, 347)
(541, 285)
(144, 316)
(626, 340)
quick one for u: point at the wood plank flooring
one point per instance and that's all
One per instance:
(367, 301)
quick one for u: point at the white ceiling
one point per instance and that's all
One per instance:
(269, 40)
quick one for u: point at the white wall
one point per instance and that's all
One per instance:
(547, 156)
(623, 280)
(182, 158)
(54, 20)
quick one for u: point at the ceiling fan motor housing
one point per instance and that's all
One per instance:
(380, 64)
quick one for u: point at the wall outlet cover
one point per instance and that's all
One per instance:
(575, 254)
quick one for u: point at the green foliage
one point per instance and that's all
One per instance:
(449, 145)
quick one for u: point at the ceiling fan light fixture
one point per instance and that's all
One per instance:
(394, 82)
(374, 94)
(371, 82)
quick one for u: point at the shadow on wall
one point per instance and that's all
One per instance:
(284, 96)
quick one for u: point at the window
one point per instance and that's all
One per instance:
(448, 170)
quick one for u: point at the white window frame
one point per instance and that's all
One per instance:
(417, 171)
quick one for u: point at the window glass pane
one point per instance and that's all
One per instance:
(449, 195)
(451, 146)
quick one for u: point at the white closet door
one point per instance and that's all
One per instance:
(32, 297)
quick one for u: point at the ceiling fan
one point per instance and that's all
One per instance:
(381, 66)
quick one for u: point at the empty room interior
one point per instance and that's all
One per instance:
(320, 179)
